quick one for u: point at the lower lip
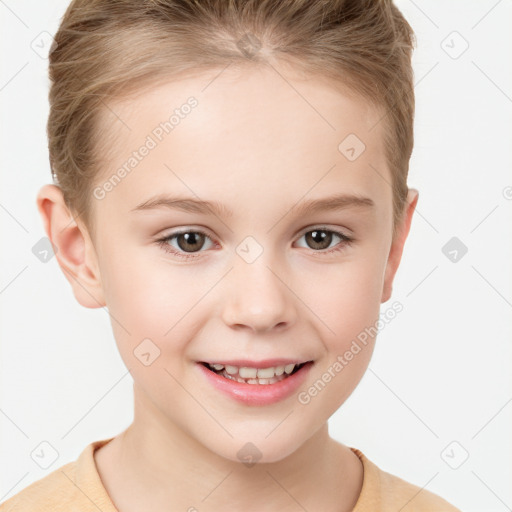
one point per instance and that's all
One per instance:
(257, 394)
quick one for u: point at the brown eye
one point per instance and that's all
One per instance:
(183, 242)
(319, 239)
(191, 241)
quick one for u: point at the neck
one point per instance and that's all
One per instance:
(155, 463)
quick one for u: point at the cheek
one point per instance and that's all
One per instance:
(345, 297)
(150, 300)
(147, 294)
(347, 301)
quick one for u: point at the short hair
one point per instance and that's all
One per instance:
(105, 48)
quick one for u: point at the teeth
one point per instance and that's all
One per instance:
(232, 370)
(253, 381)
(289, 368)
(247, 373)
(265, 373)
(254, 375)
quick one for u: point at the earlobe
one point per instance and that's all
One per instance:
(75, 254)
(397, 246)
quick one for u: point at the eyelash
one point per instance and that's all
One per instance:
(163, 242)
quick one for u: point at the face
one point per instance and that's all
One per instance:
(256, 274)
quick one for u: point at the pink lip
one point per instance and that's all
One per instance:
(257, 394)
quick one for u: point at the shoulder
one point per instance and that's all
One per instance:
(75, 486)
(386, 492)
(55, 492)
(410, 497)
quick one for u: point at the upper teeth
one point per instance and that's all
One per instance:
(251, 373)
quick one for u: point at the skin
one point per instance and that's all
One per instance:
(256, 146)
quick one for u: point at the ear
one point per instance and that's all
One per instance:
(75, 252)
(397, 245)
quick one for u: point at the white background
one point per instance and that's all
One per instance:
(440, 371)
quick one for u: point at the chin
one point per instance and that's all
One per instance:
(251, 449)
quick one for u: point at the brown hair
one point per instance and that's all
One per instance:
(104, 48)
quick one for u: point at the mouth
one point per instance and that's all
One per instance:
(255, 373)
(251, 383)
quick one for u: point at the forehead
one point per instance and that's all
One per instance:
(261, 131)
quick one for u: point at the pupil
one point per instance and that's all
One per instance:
(317, 239)
(190, 240)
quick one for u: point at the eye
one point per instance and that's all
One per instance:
(321, 238)
(188, 241)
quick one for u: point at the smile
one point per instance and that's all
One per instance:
(255, 386)
(251, 375)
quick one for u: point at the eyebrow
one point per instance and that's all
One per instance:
(188, 204)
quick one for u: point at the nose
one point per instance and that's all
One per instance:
(258, 298)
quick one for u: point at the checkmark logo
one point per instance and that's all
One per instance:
(42, 44)
(249, 249)
(44, 454)
(454, 45)
(454, 455)
(351, 147)
(147, 352)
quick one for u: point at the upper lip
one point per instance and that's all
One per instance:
(265, 363)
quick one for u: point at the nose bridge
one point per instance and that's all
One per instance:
(257, 297)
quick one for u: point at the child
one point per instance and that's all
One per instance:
(258, 130)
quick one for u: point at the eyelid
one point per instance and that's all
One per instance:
(347, 233)
(187, 229)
